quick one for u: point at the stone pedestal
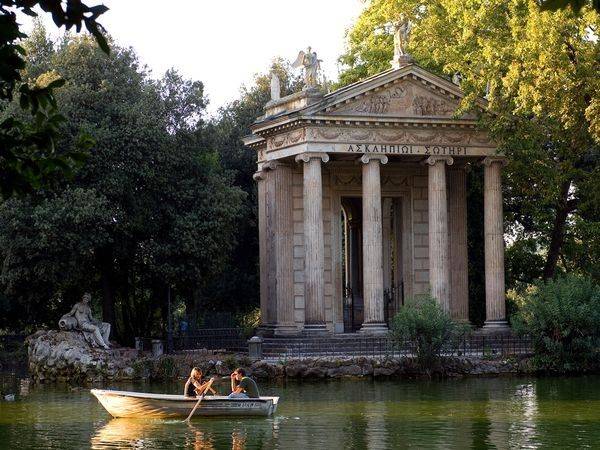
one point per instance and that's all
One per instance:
(495, 305)
(374, 315)
(439, 265)
(314, 248)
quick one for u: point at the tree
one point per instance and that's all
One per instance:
(159, 209)
(29, 158)
(227, 130)
(538, 70)
(562, 317)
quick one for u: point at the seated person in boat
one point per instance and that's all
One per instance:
(194, 385)
(242, 386)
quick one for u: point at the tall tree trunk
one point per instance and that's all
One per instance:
(107, 280)
(563, 208)
(192, 307)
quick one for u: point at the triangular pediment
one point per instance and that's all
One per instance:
(403, 99)
(409, 92)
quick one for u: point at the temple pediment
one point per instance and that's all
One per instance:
(409, 92)
(408, 112)
(404, 98)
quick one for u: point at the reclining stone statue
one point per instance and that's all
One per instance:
(80, 318)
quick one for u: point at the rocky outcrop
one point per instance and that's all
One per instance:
(66, 356)
(386, 367)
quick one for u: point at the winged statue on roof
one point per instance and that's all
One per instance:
(312, 66)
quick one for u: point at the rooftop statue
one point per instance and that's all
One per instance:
(402, 30)
(275, 86)
(312, 66)
(80, 318)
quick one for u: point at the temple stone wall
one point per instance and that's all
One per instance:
(398, 180)
(298, 247)
(420, 224)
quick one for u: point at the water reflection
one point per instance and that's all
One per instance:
(475, 413)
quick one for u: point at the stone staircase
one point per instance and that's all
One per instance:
(355, 345)
(347, 344)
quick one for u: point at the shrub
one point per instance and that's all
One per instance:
(424, 323)
(249, 321)
(562, 317)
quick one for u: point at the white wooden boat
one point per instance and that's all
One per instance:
(145, 405)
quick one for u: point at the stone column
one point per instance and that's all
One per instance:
(260, 177)
(439, 264)
(495, 307)
(314, 248)
(374, 316)
(457, 224)
(283, 239)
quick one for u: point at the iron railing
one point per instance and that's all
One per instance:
(475, 345)
(228, 340)
(10, 342)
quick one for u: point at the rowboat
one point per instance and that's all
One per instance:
(145, 405)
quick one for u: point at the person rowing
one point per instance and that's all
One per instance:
(194, 386)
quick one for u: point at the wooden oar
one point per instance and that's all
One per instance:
(199, 400)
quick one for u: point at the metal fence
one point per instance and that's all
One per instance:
(231, 340)
(226, 340)
(11, 342)
(475, 345)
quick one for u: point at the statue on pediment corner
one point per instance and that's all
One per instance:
(402, 30)
(275, 86)
(312, 66)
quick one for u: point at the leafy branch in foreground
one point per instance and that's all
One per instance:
(29, 158)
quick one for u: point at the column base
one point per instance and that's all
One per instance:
(374, 328)
(265, 330)
(315, 329)
(285, 330)
(496, 327)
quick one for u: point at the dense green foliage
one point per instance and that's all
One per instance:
(29, 156)
(562, 317)
(151, 208)
(427, 326)
(225, 132)
(539, 72)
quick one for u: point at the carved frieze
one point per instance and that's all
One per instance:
(347, 180)
(414, 136)
(404, 99)
(396, 181)
(286, 139)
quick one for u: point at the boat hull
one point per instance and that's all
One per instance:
(143, 405)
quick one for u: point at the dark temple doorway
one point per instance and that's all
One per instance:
(352, 260)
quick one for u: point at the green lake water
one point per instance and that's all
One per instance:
(472, 413)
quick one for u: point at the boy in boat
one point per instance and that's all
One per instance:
(242, 386)
(194, 385)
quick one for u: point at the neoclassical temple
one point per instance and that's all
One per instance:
(362, 204)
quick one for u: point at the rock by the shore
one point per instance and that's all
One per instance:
(65, 356)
